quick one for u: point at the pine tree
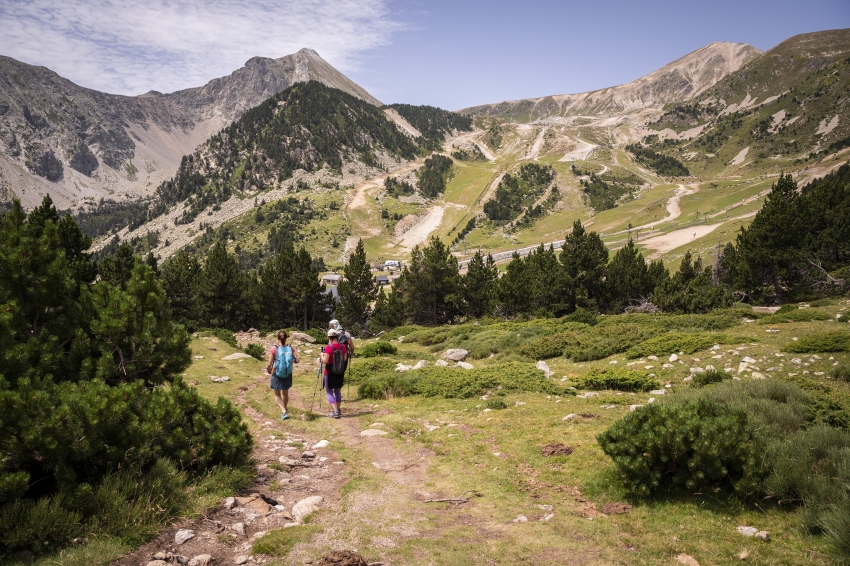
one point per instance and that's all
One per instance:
(357, 290)
(389, 309)
(548, 283)
(478, 286)
(179, 279)
(220, 290)
(585, 257)
(627, 278)
(512, 290)
(116, 269)
(431, 284)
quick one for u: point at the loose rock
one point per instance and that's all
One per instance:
(201, 560)
(373, 432)
(441, 363)
(241, 560)
(157, 563)
(236, 356)
(544, 367)
(421, 364)
(465, 365)
(182, 536)
(238, 528)
(229, 503)
(321, 444)
(454, 354)
(301, 337)
(306, 507)
(747, 531)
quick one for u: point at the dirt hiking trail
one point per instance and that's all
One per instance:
(294, 468)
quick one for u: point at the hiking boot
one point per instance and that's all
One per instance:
(284, 416)
(332, 415)
(337, 414)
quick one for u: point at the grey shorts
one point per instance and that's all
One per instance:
(281, 383)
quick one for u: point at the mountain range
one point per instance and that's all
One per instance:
(79, 145)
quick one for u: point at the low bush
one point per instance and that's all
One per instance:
(389, 385)
(545, 348)
(708, 377)
(396, 333)
(496, 404)
(834, 341)
(583, 316)
(685, 445)
(822, 303)
(457, 382)
(255, 351)
(840, 372)
(717, 320)
(617, 379)
(605, 340)
(827, 404)
(673, 342)
(375, 349)
(784, 309)
(795, 315)
(361, 369)
(222, 334)
(320, 335)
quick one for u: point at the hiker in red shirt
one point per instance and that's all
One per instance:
(335, 358)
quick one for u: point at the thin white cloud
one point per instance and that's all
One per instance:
(128, 47)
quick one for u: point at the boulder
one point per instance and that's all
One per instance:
(301, 337)
(441, 363)
(306, 507)
(747, 531)
(465, 365)
(421, 364)
(544, 367)
(674, 358)
(321, 444)
(183, 535)
(236, 356)
(748, 359)
(455, 354)
(401, 367)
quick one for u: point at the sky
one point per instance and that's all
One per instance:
(451, 54)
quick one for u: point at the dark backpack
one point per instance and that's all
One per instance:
(338, 360)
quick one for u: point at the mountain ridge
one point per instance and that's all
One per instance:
(78, 144)
(681, 79)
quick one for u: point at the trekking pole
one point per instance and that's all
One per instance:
(316, 389)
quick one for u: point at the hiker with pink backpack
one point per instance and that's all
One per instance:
(281, 358)
(335, 359)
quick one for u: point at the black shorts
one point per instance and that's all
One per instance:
(281, 383)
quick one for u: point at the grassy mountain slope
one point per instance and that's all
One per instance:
(785, 109)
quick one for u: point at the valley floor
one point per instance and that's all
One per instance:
(387, 460)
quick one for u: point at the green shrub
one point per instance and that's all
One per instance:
(375, 349)
(784, 309)
(795, 315)
(708, 377)
(604, 340)
(396, 332)
(617, 379)
(835, 522)
(684, 445)
(222, 334)
(834, 341)
(673, 342)
(361, 369)
(457, 382)
(320, 335)
(822, 303)
(583, 316)
(389, 385)
(545, 348)
(717, 320)
(773, 406)
(827, 404)
(255, 351)
(840, 372)
(496, 404)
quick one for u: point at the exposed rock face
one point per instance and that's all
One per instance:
(71, 142)
(680, 80)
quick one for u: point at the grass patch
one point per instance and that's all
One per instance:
(687, 342)
(281, 541)
(835, 341)
(840, 372)
(617, 379)
(795, 315)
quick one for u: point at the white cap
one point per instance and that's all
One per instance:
(332, 333)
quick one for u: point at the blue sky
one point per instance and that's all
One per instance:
(448, 54)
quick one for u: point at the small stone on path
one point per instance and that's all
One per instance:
(182, 536)
(201, 560)
(157, 563)
(321, 444)
(241, 560)
(306, 507)
(373, 432)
